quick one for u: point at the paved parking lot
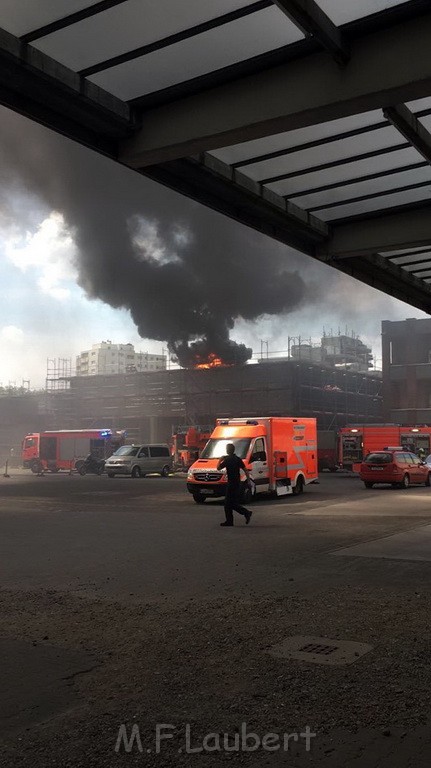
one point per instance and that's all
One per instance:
(123, 602)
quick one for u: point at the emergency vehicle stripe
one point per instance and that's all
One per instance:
(298, 450)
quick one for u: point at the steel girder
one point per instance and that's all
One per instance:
(388, 66)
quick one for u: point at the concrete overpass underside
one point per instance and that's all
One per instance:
(308, 121)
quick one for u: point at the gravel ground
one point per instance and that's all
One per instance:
(132, 607)
(206, 663)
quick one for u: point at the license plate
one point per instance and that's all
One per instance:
(206, 492)
(378, 469)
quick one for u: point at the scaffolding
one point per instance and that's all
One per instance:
(12, 388)
(58, 374)
(337, 397)
(151, 403)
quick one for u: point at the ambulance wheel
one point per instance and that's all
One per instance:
(199, 499)
(299, 487)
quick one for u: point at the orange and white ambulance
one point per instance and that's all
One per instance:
(279, 451)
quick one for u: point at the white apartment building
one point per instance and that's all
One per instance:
(107, 358)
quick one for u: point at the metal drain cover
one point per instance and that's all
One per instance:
(319, 650)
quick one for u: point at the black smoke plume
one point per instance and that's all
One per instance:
(185, 273)
(203, 351)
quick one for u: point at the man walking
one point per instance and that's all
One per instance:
(233, 464)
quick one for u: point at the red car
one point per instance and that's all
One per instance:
(397, 467)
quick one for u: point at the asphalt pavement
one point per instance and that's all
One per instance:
(124, 605)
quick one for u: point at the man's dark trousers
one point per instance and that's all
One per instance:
(232, 503)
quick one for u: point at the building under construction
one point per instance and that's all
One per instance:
(149, 404)
(342, 351)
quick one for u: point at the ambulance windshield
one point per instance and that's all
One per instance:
(215, 449)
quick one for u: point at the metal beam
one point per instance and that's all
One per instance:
(420, 271)
(178, 37)
(397, 14)
(228, 191)
(369, 196)
(411, 128)
(419, 252)
(219, 77)
(67, 21)
(379, 273)
(388, 66)
(36, 86)
(40, 88)
(412, 263)
(382, 231)
(335, 163)
(311, 144)
(356, 180)
(312, 20)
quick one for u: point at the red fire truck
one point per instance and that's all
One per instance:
(67, 448)
(187, 444)
(357, 440)
(327, 456)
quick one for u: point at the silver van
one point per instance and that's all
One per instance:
(140, 460)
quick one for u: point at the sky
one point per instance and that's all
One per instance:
(44, 313)
(54, 304)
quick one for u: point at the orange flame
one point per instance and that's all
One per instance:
(212, 361)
